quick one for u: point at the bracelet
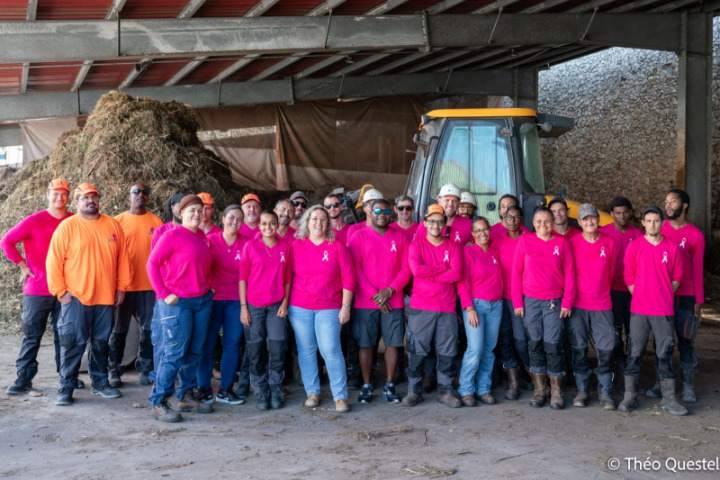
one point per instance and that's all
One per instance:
(346, 305)
(469, 309)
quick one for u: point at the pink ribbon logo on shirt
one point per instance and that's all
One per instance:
(325, 256)
(602, 252)
(457, 237)
(682, 243)
(447, 256)
(282, 257)
(557, 250)
(494, 261)
(664, 257)
(393, 249)
(237, 256)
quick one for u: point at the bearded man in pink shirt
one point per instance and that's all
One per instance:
(653, 270)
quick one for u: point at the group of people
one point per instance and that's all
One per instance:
(519, 295)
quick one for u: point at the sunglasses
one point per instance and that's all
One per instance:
(299, 204)
(382, 211)
(332, 205)
(402, 208)
(137, 191)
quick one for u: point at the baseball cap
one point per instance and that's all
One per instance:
(587, 210)
(59, 184)
(653, 209)
(372, 194)
(467, 197)
(556, 200)
(434, 208)
(297, 195)
(449, 189)
(85, 189)
(249, 197)
(206, 198)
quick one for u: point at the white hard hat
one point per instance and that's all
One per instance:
(372, 194)
(449, 189)
(467, 197)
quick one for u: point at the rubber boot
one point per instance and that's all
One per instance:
(556, 393)
(629, 402)
(513, 391)
(688, 386)
(654, 391)
(669, 402)
(538, 398)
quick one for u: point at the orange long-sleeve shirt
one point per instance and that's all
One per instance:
(89, 259)
(138, 230)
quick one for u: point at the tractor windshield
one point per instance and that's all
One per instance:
(534, 181)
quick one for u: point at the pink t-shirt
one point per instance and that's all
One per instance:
(507, 247)
(214, 230)
(225, 264)
(266, 271)
(572, 231)
(622, 240)
(159, 232)
(692, 248)
(180, 263)
(436, 269)
(651, 269)
(482, 275)
(381, 261)
(342, 234)
(289, 237)
(410, 232)
(35, 233)
(355, 227)
(543, 270)
(594, 268)
(320, 274)
(249, 233)
(460, 231)
(499, 230)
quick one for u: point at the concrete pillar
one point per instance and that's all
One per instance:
(695, 122)
(525, 88)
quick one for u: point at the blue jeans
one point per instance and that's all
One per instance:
(182, 330)
(319, 329)
(226, 314)
(477, 364)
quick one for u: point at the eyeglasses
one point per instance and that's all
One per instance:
(332, 205)
(299, 204)
(382, 211)
(136, 191)
(402, 208)
(439, 223)
(513, 217)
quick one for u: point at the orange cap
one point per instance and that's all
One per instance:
(86, 189)
(59, 184)
(206, 198)
(434, 208)
(248, 197)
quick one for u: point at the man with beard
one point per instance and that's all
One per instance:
(285, 211)
(207, 225)
(457, 229)
(468, 205)
(404, 206)
(300, 202)
(138, 226)
(88, 272)
(250, 205)
(334, 207)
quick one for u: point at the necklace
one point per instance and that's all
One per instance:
(271, 249)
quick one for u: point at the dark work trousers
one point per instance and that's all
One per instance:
(581, 324)
(663, 332)
(425, 330)
(544, 329)
(686, 326)
(267, 333)
(350, 348)
(36, 310)
(79, 323)
(621, 320)
(141, 305)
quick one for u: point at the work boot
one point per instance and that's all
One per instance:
(342, 406)
(262, 401)
(468, 400)
(688, 386)
(277, 401)
(313, 400)
(164, 413)
(580, 400)
(629, 402)
(486, 398)
(538, 398)
(411, 399)
(556, 393)
(654, 391)
(449, 400)
(144, 378)
(21, 385)
(429, 382)
(106, 391)
(606, 402)
(191, 404)
(114, 379)
(669, 403)
(513, 391)
(64, 397)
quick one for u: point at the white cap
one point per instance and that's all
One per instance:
(449, 189)
(372, 194)
(467, 197)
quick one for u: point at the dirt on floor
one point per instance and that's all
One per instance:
(106, 439)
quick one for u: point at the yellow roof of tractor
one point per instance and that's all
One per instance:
(482, 112)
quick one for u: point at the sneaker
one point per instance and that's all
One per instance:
(20, 386)
(190, 404)
(114, 379)
(204, 395)
(106, 391)
(277, 400)
(243, 391)
(226, 395)
(80, 384)
(450, 400)
(313, 400)
(144, 378)
(262, 402)
(411, 399)
(341, 406)
(164, 413)
(389, 393)
(64, 397)
(366, 393)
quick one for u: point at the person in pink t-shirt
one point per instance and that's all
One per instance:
(436, 264)
(404, 207)
(320, 303)
(653, 271)
(226, 248)
(334, 207)
(594, 255)
(264, 295)
(499, 229)
(457, 229)
(207, 225)
(285, 212)
(35, 233)
(382, 271)
(543, 291)
(179, 270)
(561, 226)
(251, 209)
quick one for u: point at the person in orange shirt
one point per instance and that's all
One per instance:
(138, 226)
(88, 271)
